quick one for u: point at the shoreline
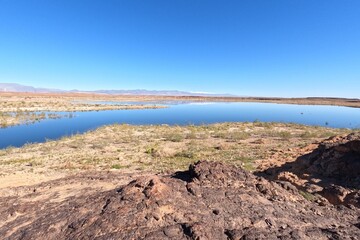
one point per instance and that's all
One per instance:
(16, 109)
(26, 108)
(331, 101)
(20, 117)
(157, 148)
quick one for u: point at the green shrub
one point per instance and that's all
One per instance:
(152, 151)
(174, 137)
(185, 154)
(308, 196)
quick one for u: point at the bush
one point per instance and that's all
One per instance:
(175, 137)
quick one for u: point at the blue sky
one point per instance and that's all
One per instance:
(250, 47)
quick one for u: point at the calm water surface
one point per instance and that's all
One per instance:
(197, 113)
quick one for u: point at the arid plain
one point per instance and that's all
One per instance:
(40, 175)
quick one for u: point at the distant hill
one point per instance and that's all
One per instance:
(157, 93)
(14, 87)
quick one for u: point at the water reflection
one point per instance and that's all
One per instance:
(182, 114)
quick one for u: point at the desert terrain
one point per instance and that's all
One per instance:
(19, 97)
(79, 186)
(250, 180)
(179, 120)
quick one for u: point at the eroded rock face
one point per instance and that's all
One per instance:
(332, 170)
(338, 157)
(337, 162)
(210, 201)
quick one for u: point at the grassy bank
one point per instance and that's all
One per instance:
(8, 119)
(162, 148)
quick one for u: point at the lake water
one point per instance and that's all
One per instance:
(181, 114)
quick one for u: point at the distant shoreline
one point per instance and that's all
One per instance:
(346, 102)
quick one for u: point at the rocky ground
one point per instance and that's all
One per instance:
(332, 170)
(211, 200)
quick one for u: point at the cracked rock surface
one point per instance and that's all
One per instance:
(332, 170)
(211, 200)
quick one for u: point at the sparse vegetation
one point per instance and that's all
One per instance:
(185, 154)
(163, 148)
(284, 134)
(18, 109)
(117, 166)
(152, 151)
(174, 137)
(308, 196)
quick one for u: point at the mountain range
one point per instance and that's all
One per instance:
(14, 87)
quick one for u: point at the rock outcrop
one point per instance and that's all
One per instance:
(337, 157)
(209, 201)
(332, 170)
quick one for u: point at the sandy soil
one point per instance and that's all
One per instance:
(157, 149)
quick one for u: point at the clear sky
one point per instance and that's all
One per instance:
(245, 47)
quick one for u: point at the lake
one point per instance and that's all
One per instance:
(182, 114)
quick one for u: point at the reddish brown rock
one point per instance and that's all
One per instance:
(210, 201)
(338, 157)
(331, 170)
